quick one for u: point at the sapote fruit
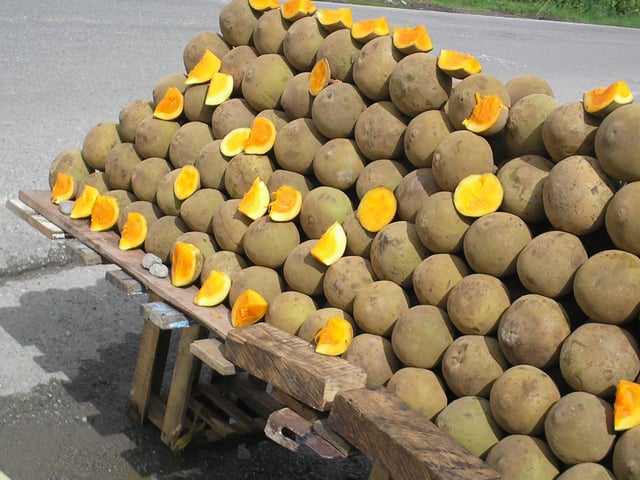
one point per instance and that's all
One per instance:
(374, 354)
(469, 421)
(289, 310)
(396, 251)
(471, 364)
(420, 335)
(377, 305)
(421, 389)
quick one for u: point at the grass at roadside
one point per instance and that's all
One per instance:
(586, 12)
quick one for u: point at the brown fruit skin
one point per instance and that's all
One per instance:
(231, 114)
(265, 79)
(607, 287)
(149, 210)
(421, 335)
(212, 164)
(289, 310)
(344, 278)
(412, 192)
(421, 389)
(587, 471)
(520, 399)
(471, 363)
(264, 280)
(321, 207)
(340, 50)
(229, 226)
(269, 32)
(532, 331)
(69, 161)
(617, 143)
(416, 84)
(146, 177)
(459, 154)
(423, 134)
(522, 179)
(338, 163)
(596, 356)
(318, 319)
(373, 67)
(236, 21)
(568, 131)
(462, 99)
(235, 63)
(335, 110)
(526, 84)
(98, 142)
(302, 41)
(130, 117)
(396, 251)
(576, 193)
(523, 457)
(243, 169)
(378, 305)
(379, 131)
(194, 109)
(187, 142)
(296, 144)
(439, 225)
(176, 80)
(162, 235)
(358, 238)
(119, 165)
(469, 421)
(579, 428)
(374, 354)
(477, 302)
(493, 242)
(296, 100)
(268, 243)
(625, 455)
(523, 130)
(435, 276)
(197, 210)
(201, 41)
(621, 210)
(302, 271)
(154, 136)
(383, 172)
(223, 260)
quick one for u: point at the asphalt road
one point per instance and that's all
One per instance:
(68, 339)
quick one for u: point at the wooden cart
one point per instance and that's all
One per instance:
(263, 380)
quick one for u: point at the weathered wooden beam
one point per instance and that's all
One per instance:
(210, 352)
(405, 444)
(290, 364)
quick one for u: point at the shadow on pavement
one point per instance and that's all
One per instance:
(74, 425)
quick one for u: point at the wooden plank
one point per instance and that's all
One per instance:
(149, 370)
(124, 282)
(37, 221)
(87, 256)
(164, 316)
(290, 364)
(240, 417)
(255, 397)
(406, 444)
(105, 244)
(184, 372)
(209, 350)
(289, 430)
(322, 428)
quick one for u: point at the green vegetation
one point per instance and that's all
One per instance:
(623, 13)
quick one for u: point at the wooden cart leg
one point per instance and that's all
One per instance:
(149, 369)
(185, 370)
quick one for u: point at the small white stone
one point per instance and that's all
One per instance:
(149, 260)
(159, 270)
(66, 207)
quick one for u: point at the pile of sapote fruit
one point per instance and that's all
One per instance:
(471, 243)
